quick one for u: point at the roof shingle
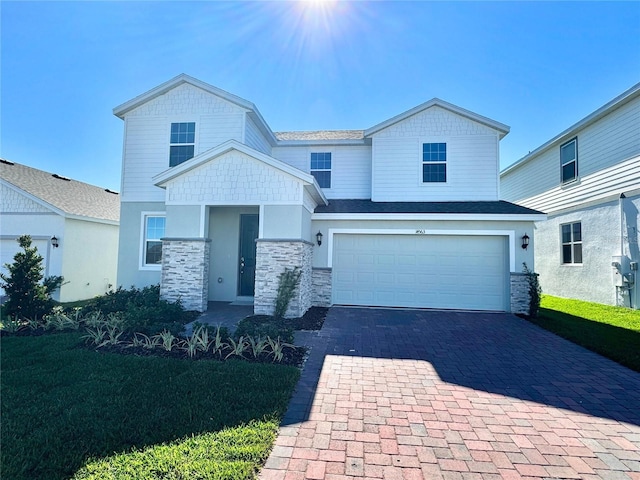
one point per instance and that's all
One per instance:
(321, 135)
(367, 206)
(70, 196)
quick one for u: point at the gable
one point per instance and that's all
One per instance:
(434, 121)
(12, 201)
(234, 178)
(186, 99)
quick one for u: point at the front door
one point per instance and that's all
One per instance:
(247, 260)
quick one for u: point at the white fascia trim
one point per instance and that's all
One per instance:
(53, 209)
(162, 178)
(511, 234)
(261, 221)
(430, 216)
(573, 130)
(500, 127)
(235, 203)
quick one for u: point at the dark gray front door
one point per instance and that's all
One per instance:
(247, 271)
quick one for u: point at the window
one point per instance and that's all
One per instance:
(434, 162)
(153, 232)
(183, 138)
(572, 242)
(569, 161)
(321, 168)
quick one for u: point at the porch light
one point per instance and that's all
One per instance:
(319, 238)
(525, 241)
(54, 242)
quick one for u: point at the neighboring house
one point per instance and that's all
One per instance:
(587, 179)
(406, 213)
(74, 226)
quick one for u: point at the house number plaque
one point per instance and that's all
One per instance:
(421, 231)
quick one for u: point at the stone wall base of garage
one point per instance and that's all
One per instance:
(272, 258)
(185, 272)
(321, 283)
(520, 299)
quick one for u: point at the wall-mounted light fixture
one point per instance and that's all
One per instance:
(54, 242)
(525, 241)
(319, 238)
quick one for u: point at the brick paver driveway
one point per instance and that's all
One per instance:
(408, 394)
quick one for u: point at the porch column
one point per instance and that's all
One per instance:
(273, 256)
(185, 271)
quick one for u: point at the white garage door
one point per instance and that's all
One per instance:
(9, 247)
(432, 271)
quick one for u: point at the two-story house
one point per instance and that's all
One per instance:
(587, 179)
(215, 205)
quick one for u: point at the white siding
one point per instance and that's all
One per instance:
(350, 167)
(472, 159)
(254, 138)
(610, 140)
(472, 169)
(147, 131)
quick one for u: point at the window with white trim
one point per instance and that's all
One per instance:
(434, 162)
(571, 242)
(154, 227)
(569, 161)
(182, 142)
(321, 168)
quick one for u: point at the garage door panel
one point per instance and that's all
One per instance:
(433, 271)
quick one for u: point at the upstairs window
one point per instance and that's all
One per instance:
(569, 161)
(321, 168)
(434, 162)
(572, 242)
(153, 232)
(183, 139)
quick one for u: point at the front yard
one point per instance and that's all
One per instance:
(72, 412)
(610, 331)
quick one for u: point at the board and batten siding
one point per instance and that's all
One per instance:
(350, 167)
(613, 139)
(254, 138)
(147, 135)
(472, 165)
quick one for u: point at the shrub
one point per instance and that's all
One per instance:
(535, 291)
(264, 326)
(288, 282)
(28, 292)
(142, 310)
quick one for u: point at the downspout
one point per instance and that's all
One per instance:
(627, 287)
(621, 207)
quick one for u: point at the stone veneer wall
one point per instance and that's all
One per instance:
(519, 293)
(272, 257)
(185, 271)
(321, 286)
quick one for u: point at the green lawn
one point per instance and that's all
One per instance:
(611, 331)
(71, 412)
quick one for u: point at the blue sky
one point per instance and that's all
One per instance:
(538, 67)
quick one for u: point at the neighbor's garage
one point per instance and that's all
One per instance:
(429, 271)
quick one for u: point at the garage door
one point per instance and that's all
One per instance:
(9, 247)
(431, 271)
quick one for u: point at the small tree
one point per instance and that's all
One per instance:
(535, 291)
(288, 282)
(27, 297)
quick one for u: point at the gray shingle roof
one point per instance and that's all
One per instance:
(321, 135)
(367, 206)
(70, 196)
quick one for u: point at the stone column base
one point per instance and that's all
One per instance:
(519, 293)
(321, 285)
(185, 272)
(272, 258)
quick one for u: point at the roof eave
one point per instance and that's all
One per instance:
(309, 143)
(609, 107)
(501, 128)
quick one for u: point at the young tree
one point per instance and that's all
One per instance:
(28, 295)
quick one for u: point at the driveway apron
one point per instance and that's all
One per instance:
(413, 394)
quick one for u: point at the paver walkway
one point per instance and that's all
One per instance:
(409, 394)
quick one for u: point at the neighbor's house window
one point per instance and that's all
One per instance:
(572, 242)
(569, 160)
(434, 162)
(321, 168)
(183, 139)
(153, 232)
